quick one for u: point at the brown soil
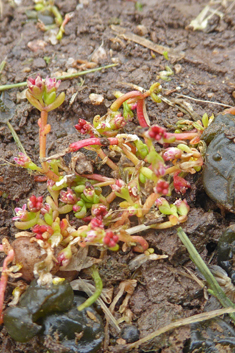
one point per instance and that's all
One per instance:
(204, 71)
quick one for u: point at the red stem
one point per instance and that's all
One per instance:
(140, 113)
(97, 177)
(118, 102)
(3, 281)
(183, 135)
(143, 243)
(111, 197)
(93, 141)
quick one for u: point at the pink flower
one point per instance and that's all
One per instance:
(52, 84)
(172, 153)
(21, 213)
(133, 106)
(50, 183)
(161, 201)
(89, 190)
(119, 121)
(22, 159)
(76, 208)
(68, 196)
(36, 86)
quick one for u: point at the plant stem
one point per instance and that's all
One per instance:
(111, 197)
(150, 201)
(140, 113)
(98, 286)
(97, 177)
(183, 135)
(212, 283)
(106, 159)
(42, 138)
(75, 146)
(120, 100)
(42, 142)
(65, 77)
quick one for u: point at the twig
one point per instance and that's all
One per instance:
(203, 101)
(179, 323)
(160, 49)
(65, 77)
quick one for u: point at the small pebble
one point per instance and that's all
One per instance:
(210, 95)
(39, 63)
(141, 30)
(180, 114)
(177, 68)
(130, 334)
(96, 99)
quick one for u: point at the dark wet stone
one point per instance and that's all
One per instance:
(218, 173)
(77, 331)
(130, 334)
(38, 301)
(206, 336)
(225, 250)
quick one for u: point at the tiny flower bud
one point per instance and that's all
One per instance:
(99, 210)
(40, 230)
(96, 223)
(119, 184)
(45, 209)
(160, 169)
(91, 236)
(24, 161)
(84, 127)
(162, 187)
(182, 207)
(36, 86)
(65, 256)
(110, 239)
(180, 184)
(157, 133)
(35, 203)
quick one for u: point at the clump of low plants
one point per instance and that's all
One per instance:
(142, 183)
